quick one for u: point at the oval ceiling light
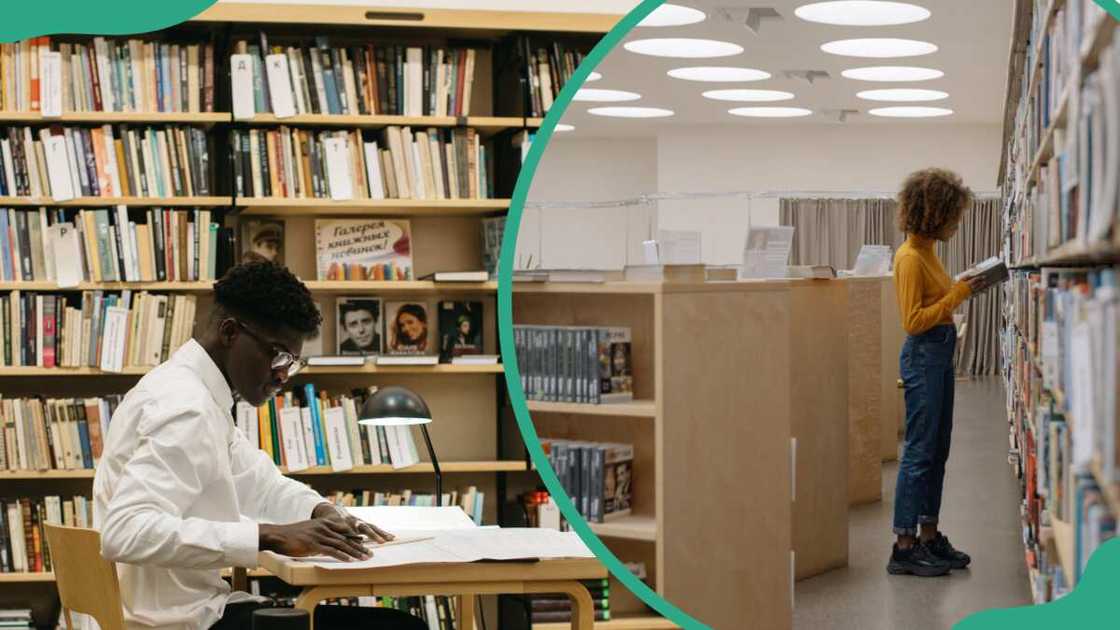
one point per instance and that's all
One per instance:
(715, 74)
(892, 73)
(879, 47)
(862, 13)
(593, 76)
(904, 95)
(682, 47)
(631, 112)
(564, 127)
(594, 95)
(910, 112)
(673, 15)
(770, 112)
(756, 96)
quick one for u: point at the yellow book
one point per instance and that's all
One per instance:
(265, 429)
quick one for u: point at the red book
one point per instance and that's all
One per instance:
(49, 330)
(460, 77)
(93, 420)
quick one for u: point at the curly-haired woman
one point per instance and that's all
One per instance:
(930, 207)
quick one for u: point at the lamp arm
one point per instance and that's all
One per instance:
(435, 465)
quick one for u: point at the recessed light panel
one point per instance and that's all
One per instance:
(910, 112)
(879, 47)
(715, 74)
(892, 73)
(903, 95)
(683, 47)
(593, 76)
(770, 112)
(594, 95)
(756, 96)
(564, 127)
(862, 13)
(631, 112)
(672, 15)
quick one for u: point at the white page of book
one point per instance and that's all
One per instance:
(67, 254)
(50, 77)
(402, 449)
(112, 354)
(373, 171)
(280, 86)
(241, 75)
(469, 545)
(292, 424)
(337, 439)
(1081, 362)
(394, 518)
(58, 168)
(338, 168)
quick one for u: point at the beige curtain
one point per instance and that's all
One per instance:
(831, 231)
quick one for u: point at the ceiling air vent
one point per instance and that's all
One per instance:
(808, 76)
(751, 17)
(839, 115)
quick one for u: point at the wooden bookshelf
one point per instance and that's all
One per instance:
(487, 125)
(354, 370)
(42, 475)
(96, 202)
(637, 408)
(626, 622)
(1074, 254)
(383, 469)
(283, 207)
(690, 390)
(399, 286)
(153, 118)
(13, 578)
(109, 286)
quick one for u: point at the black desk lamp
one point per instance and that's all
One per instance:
(399, 406)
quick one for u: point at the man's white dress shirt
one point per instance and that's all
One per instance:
(178, 494)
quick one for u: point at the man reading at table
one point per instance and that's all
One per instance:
(180, 493)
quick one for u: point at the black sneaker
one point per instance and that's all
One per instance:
(941, 548)
(917, 560)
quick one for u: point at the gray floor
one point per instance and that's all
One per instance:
(980, 514)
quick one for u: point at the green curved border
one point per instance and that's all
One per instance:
(23, 19)
(505, 325)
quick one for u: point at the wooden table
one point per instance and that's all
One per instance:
(464, 580)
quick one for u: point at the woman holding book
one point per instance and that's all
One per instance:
(930, 207)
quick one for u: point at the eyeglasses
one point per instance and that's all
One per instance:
(282, 360)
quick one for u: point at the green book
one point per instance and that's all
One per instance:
(273, 424)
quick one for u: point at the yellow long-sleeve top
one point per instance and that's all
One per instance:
(926, 295)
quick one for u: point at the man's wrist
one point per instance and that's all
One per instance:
(266, 537)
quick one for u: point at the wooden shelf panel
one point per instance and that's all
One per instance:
(1074, 254)
(1100, 37)
(587, 287)
(81, 371)
(26, 577)
(637, 408)
(621, 623)
(1063, 542)
(392, 286)
(95, 202)
(279, 206)
(383, 469)
(633, 527)
(1036, 70)
(491, 124)
(497, 22)
(108, 286)
(155, 118)
(441, 368)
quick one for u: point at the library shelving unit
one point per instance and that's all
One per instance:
(446, 236)
(1062, 242)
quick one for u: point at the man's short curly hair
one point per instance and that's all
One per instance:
(930, 200)
(268, 294)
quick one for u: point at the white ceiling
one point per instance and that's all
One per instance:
(973, 39)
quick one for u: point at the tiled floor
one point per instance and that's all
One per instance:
(980, 514)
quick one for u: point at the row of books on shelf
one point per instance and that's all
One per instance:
(439, 612)
(393, 163)
(547, 69)
(106, 75)
(54, 433)
(596, 476)
(469, 498)
(310, 427)
(63, 163)
(351, 80)
(110, 331)
(575, 364)
(558, 608)
(112, 245)
(23, 539)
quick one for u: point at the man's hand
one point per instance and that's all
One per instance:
(357, 527)
(316, 536)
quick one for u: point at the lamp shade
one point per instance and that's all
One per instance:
(394, 406)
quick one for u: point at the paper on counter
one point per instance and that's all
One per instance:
(397, 518)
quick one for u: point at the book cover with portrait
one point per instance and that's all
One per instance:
(262, 239)
(359, 326)
(410, 328)
(460, 329)
(616, 376)
(363, 249)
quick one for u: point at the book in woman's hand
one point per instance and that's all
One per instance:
(989, 272)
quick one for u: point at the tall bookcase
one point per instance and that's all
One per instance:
(1063, 244)
(466, 400)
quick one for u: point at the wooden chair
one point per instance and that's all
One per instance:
(87, 583)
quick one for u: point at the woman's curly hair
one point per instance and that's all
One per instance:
(930, 200)
(268, 294)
